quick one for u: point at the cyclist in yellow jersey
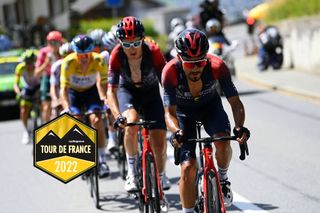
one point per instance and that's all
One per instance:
(31, 84)
(79, 73)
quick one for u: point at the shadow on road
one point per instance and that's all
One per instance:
(246, 207)
(252, 92)
(118, 202)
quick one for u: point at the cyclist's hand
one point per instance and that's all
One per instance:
(242, 134)
(67, 110)
(120, 122)
(176, 139)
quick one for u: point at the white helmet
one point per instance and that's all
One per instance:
(65, 49)
(97, 34)
(213, 23)
(109, 40)
(175, 22)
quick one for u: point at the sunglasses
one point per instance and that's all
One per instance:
(192, 64)
(55, 43)
(134, 44)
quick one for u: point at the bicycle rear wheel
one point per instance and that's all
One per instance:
(94, 186)
(213, 202)
(152, 186)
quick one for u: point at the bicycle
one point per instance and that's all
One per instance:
(209, 193)
(149, 188)
(92, 175)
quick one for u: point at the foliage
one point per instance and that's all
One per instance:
(285, 9)
(86, 26)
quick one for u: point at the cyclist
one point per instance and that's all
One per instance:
(98, 35)
(31, 84)
(78, 79)
(190, 95)
(64, 50)
(47, 55)
(134, 73)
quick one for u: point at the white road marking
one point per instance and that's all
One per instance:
(239, 201)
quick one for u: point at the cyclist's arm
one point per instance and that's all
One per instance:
(64, 83)
(113, 100)
(54, 95)
(64, 97)
(41, 64)
(171, 119)
(16, 87)
(102, 78)
(237, 110)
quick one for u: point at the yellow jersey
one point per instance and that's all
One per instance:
(73, 77)
(29, 80)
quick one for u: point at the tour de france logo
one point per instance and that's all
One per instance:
(65, 148)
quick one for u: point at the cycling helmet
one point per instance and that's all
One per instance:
(82, 44)
(29, 56)
(97, 36)
(213, 23)
(54, 36)
(65, 49)
(109, 40)
(129, 28)
(175, 22)
(191, 43)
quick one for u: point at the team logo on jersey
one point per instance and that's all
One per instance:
(65, 148)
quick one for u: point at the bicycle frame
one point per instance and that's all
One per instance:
(206, 154)
(146, 148)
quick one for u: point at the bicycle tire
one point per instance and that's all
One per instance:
(122, 158)
(213, 202)
(94, 186)
(199, 202)
(152, 185)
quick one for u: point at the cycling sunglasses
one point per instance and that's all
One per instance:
(54, 43)
(192, 64)
(134, 44)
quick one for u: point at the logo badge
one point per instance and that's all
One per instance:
(65, 148)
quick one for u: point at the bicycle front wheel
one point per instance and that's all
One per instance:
(122, 159)
(213, 202)
(94, 186)
(152, 186)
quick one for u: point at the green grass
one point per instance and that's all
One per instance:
(292, 8)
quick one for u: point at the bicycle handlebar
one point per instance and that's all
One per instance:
(141, 123)
(244, 150)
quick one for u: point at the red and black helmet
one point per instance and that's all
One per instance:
(191, 43)
(129, 28)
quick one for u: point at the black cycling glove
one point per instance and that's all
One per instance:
(239, 133)
(177, 135)
(120, 120)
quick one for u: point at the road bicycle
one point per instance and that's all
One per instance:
(92, 175)
(149, 188)
(209, 193)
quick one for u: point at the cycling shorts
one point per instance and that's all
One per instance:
(28, 95)
(88, 99)
(147, 103)
(45, 88)
(213, 118)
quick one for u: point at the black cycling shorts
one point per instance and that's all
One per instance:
(88, 99)
(147, 103)
(213, 118)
